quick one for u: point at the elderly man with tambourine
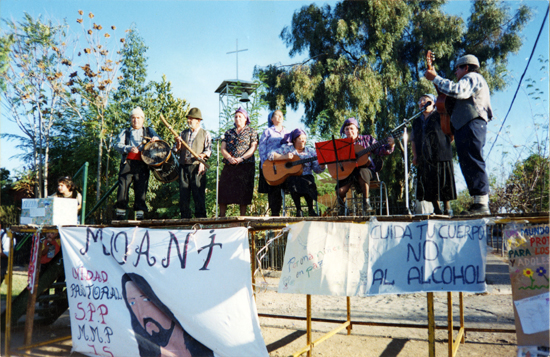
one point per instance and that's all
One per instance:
(132, 168)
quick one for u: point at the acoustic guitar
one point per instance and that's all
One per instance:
(277, 171)
(443, 103)
(362, 158)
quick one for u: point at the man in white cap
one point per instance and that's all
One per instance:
(469, 120)
(132, 168)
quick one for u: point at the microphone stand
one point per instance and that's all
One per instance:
(338, 165)
(405, 152)
(217, 140)
(407, 121)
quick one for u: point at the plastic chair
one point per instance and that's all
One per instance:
(354, 202)
(284, 193)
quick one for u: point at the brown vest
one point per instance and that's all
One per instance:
(197, 146)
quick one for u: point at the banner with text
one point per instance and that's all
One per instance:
(150, 292)
(346, 259)
(528, 259)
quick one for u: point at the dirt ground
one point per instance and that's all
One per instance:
(284, 337)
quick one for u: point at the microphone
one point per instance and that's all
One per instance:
(427, 105)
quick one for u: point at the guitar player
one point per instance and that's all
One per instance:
(469, 120)
(361, 176)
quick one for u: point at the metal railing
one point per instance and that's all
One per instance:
(84, 170)
(101, 200)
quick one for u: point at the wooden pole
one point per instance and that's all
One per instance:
(9, 282)
(308, 334)
(461, 298)
(183, 142)
(431, 325)
(31, 302)
(348, 300)
(450, 322)
(253, 260)
(45, 343)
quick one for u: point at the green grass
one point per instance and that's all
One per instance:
(19, 283)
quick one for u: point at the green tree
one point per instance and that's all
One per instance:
(48, 92)
(5, 185)
(526, 189)
(91, 86)
(367, 58)
(133, 89)
(32, 74)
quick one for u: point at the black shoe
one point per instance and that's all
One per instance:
(437, 211)
(448, 212)
(312, 213)
(299, 213)
(341, 210)
(477, 209)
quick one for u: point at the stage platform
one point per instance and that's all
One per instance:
(268, 223)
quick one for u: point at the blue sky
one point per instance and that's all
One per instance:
(188, 42)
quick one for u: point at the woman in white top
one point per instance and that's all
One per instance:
(67, 189)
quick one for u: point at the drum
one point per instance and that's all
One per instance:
(158, 156)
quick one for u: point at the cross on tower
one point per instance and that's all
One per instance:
(237, 53)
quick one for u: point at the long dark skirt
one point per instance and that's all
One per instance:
(302, 186)
(237, 184)
(273, 193)
(436, 182)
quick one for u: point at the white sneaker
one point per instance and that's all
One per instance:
(139, 215)
(120, 214)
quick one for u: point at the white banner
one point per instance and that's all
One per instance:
(346, 259)
(150, 292)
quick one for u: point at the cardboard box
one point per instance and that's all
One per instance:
(49, 211)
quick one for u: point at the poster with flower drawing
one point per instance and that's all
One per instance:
(529, 263)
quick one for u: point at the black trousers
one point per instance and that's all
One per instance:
(4, 268)
(137, 172)
(469, 141)
(191, 183)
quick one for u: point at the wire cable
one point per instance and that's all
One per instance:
(520, 80)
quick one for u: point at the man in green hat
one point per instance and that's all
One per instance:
(192, 178)
(469, 120)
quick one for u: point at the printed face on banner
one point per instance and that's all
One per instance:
(155, 292)
(156, 328)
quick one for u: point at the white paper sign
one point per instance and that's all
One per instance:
(38, 212)
(132, 290)
(29, 204)
(534, 313)
(324, 257)
(25, 220)
(347, 259)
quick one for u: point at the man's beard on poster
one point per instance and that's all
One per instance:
(162, 337)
